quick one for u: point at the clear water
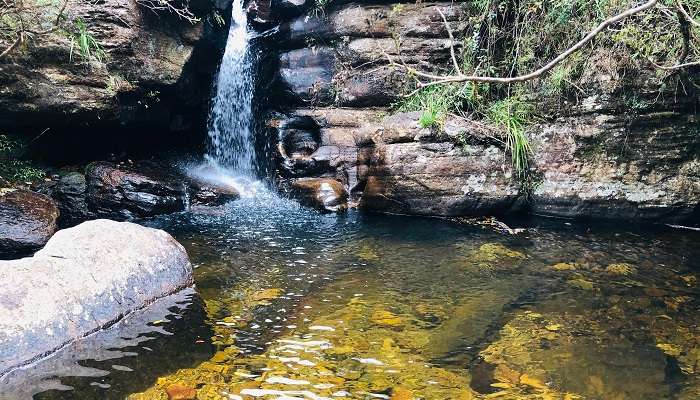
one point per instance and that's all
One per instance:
(290, 304)
(231, 143)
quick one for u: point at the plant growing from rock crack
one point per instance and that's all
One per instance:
(85, 44)
(26, 21)
(539, 47)
(512, 115)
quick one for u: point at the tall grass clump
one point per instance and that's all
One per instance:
(512, 115)
(84, 43)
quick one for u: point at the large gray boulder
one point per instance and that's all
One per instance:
(84, 279)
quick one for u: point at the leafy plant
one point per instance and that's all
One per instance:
(512, 115)
(429, 119)
(11, 167)
(85, 43)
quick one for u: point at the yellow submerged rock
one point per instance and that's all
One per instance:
(386, 319)
(581, 283)
(621, 269)
(494, 251)
(563, 267)
(266, 294)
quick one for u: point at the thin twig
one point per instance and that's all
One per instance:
(677, 66)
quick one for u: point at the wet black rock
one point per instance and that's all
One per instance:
(211, 194)
(127, 191)
(307, 74)
(69, 194)
(27, 220)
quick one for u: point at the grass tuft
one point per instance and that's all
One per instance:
(85, 44)
(512, 115)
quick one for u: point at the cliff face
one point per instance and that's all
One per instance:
(156, 70)
(620, 149)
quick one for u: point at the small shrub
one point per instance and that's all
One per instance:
(429, 119)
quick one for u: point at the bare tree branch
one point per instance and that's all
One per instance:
(452, 42)
(441, 79)
(182, 11)
(677, 66)
(687, 16)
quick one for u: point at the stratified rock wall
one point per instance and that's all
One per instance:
(156, 70)
(621, 149)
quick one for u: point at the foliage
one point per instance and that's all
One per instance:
(12, 168)
(429, 119)
(29, 21)
(86, 45)
(319, 8)
(515, 38)
(512, 115)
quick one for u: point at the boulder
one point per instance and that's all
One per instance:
(601, 164)
(27, 220)
(127, 191)
(69, 194)
(440, 179)
(307, 74)
(212, 194)
(320, 193)
(84, 279)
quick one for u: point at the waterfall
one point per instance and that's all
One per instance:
(230, 158)
(231, 143)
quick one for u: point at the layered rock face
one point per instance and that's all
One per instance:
(84, 279)
(600, 156)
(155, 71)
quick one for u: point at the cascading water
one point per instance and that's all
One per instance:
(231, 149)
(230, 137)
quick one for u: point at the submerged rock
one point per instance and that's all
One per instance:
(27, 220)
(133, 191)
(84, 279)
(321, 193)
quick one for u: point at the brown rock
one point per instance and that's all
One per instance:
(146, 53)
(180, 392)
(320, 193)
(27, 220)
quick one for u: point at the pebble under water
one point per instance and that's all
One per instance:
(292, 304)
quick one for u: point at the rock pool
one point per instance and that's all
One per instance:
(292, 304)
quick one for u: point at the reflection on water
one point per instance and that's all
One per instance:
(297, 305)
